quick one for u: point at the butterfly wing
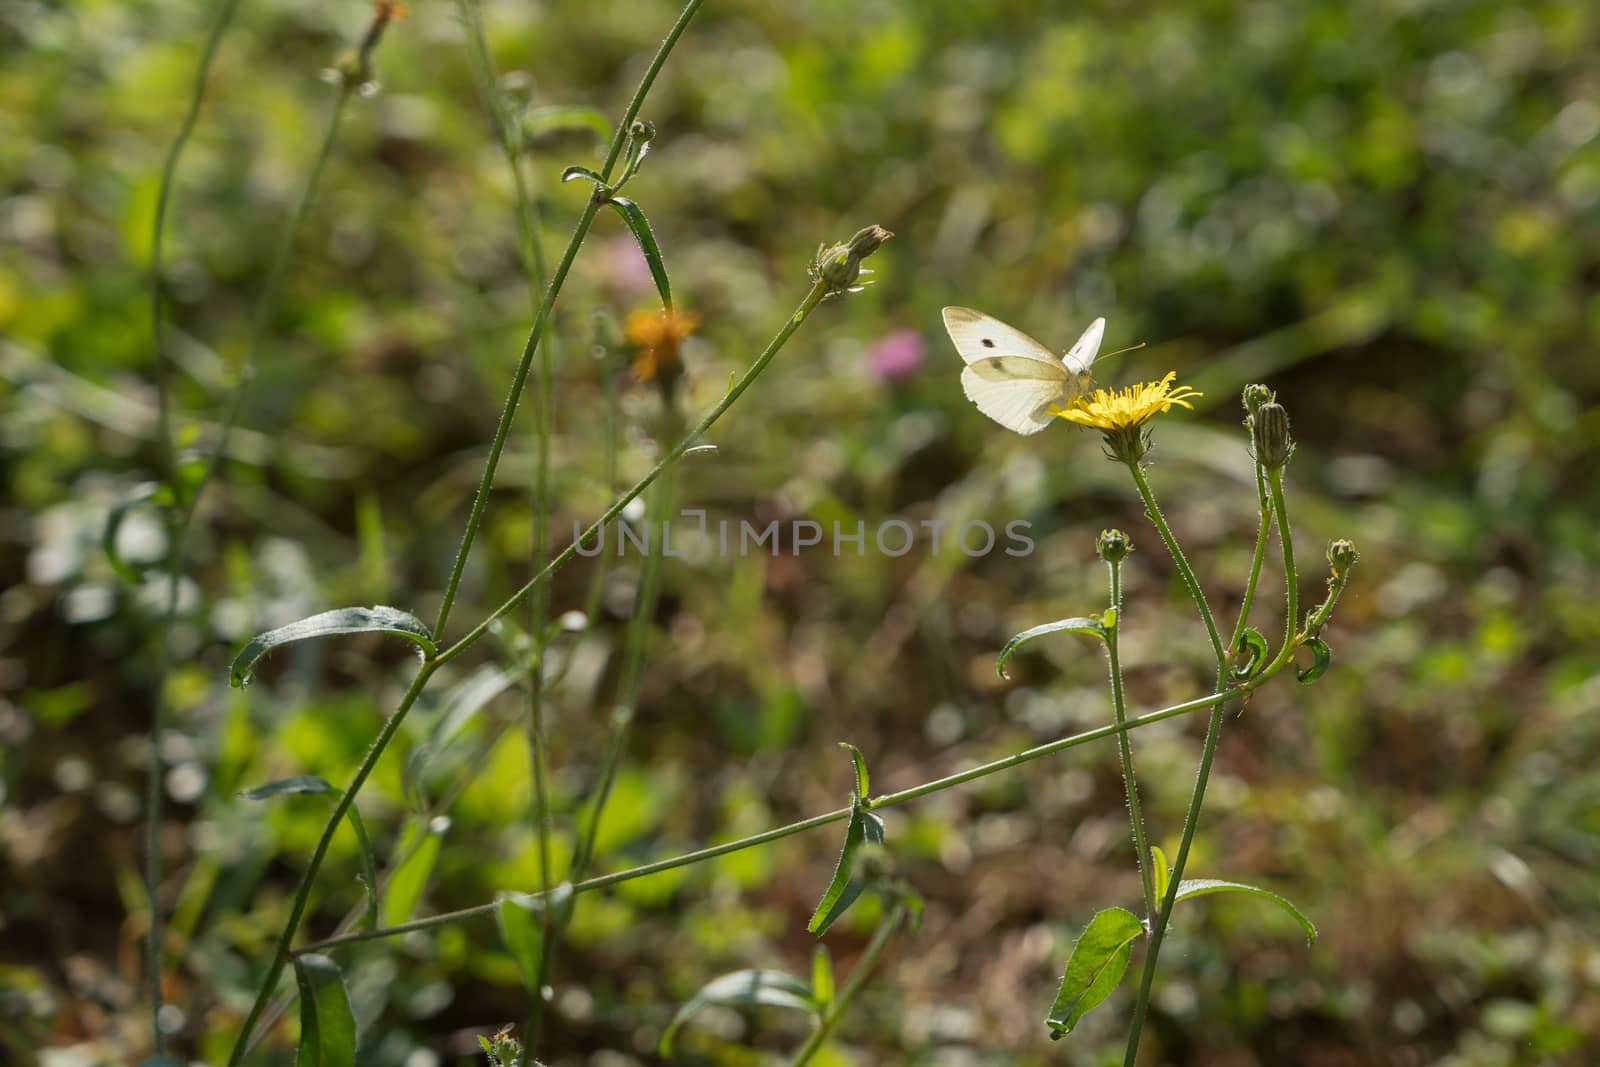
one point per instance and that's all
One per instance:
(978, 336)
(1015, 391)
(1081, 356)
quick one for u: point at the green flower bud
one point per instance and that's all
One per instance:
(1269, 432)
(1113, 546)
(838, 267)
(1342, 555)
(1256, 395)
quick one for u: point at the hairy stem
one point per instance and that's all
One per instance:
(1141, 846)
(887, 800)
(557, 280)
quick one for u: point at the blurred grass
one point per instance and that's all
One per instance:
(1386, 211)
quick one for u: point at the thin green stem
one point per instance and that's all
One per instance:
(169, 466)
(1291, 579)
(887, 928)
(818, 291)
(1263, 528)
(1184, 570)
(557, 280)
(297, 909)
(1141, 846)
(887, 800)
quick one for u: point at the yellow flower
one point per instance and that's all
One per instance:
(658, 334)
(1120, 414)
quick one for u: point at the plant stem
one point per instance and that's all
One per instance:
(520, 378)
(773, 347)
(1016, 759)
(858, 977)
(281, 953)
(1208, 752)
(169, 465)
(1291, 579)
(1141, 847)
(1263, 528)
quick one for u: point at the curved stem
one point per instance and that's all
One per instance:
(858, 977)
(1263, 528)
(904, 796)
(520, 378)
(297, 910)
(169, 465)
(1130, 783)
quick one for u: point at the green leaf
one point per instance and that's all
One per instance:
(822, 978)
(559, 118)
(299, 783)
(108, 537)
(771, 988)
(406, 884)
(327, 1025)
(842, 891)
(521, 920)
(1161, 872)
(331, 624)
(310, 783)
(862, 782)
(1252, 642)
(369, 868)
(461, 704)
(1098, 962)
(576, 171)
(1080, 625)
(1324, 654)
(633, 215)
(1199, 887)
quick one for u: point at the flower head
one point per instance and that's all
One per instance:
(1120, 414)
(657, 334)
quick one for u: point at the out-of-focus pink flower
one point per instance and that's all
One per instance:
(625, 269)
(897, 355)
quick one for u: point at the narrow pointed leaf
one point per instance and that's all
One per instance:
(340, 621)
(842, 891)
(1162, 874)
(822, 978)
(299, 783)
(1324, 654)
(128, 572)
(1098, 962)
(410, 878)
(771, 988)
(633, 215)
(1080, 625)
(327, 1025)
(558, 118)
(1199, 887)
(521, 918)
(576, 171)
(863, 783)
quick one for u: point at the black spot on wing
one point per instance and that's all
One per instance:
(988, 343)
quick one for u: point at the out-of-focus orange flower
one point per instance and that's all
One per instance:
(389, 10)
(657, 334)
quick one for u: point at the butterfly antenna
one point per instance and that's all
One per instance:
(1118, 352)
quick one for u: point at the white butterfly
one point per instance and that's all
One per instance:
(1014, 379)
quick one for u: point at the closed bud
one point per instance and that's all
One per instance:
(1113, 546)
(838, 267)
(1255, 396)
(1269, 431)
(1342, 555)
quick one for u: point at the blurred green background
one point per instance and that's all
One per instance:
(1390, 212)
